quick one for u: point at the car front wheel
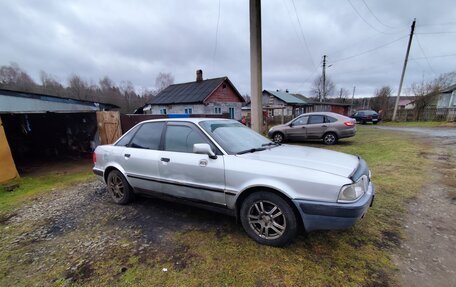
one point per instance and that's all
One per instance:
(268, 219)
(118, 187)
(277, 137)
(330, 138)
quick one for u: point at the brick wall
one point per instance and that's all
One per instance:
(224, 93)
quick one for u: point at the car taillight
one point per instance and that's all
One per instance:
(349, 124)
(94, 158)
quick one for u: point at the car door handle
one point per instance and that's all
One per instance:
(127, 155)
(165, 159)
(324, 126)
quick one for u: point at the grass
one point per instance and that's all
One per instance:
(31, 187)
(225, 256)
(429, 124)
(360, 256)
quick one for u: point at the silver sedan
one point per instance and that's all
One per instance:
(223, 165)
(326, 126)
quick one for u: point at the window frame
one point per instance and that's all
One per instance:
(163, 123)
(195, 128)
(219, 112)
(188, 111)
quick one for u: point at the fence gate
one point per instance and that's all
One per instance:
(109, 126)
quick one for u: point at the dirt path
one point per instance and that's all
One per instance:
(427, 255)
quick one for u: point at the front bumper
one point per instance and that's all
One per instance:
(331, 216)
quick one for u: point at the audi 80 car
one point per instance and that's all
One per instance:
(272, 188)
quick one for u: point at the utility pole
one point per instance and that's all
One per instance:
(403, 70)
(323, 93)
(353, 100)
(256, 66)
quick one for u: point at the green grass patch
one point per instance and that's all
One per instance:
(30, 187)
(428, 124)
(360, 256)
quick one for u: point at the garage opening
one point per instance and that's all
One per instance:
(51, 141)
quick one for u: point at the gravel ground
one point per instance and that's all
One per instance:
(426, 255)
(80, 227)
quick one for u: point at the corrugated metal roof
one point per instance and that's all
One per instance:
(287, 97)
(22, 102)
(192, 92)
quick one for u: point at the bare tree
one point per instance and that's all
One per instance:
(380, 102)
(317, 88)
(163, 80)
(77, 88)
(14, 77)
(50, 85)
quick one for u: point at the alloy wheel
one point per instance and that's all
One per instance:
(116, 186)
(266, 219)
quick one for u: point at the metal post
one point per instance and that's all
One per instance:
(353, 100)
(403, 70)
(256, 66)
(323, 97)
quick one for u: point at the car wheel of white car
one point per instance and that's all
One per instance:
(330, 138)
(278, 137)
(118, 187)
(268, 219)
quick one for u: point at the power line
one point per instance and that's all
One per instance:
(376, 18)
(216, 31)
(424, 54)
(362, 18)
(302, 34)
(431, 57)
(432, 33)
(370, 50)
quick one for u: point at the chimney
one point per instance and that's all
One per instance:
(199, 75)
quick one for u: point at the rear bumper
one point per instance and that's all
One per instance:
(346, 133)
(99, 173)
(331, 216)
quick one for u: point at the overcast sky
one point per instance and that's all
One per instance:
(135, 40)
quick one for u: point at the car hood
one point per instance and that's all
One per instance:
(333, 162)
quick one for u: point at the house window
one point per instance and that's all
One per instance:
(217, 110)
(231, 111)
(162, 111)
(188, 111)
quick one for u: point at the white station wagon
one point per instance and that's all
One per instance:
(271, 188)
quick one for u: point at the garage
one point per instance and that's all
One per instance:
(42, 131)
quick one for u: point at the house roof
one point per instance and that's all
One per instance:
(191, 92)
(449, 89)
(24, 102)
(288, 97)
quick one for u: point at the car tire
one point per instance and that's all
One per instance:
(268, 219)
(278, 137)
(330, 138)
(119, 188)
(375, 123)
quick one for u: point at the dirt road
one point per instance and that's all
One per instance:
(427, 255)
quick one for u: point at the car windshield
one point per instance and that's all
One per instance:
(235, 137)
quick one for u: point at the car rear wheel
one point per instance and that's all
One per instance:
(330, 138)
(268, 219)
(277, 137)
(118, 188)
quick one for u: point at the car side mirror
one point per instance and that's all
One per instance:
(291, 125)
(204, 148)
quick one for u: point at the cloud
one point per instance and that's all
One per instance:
(137, 40)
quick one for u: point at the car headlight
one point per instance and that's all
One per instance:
(352, 192)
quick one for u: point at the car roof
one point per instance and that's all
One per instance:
(322, 113)
(192, 120)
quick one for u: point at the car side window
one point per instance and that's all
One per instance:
(125, 140)
(361, 114)
(329, 119)
(181, 138)
(148, 136)
(317, 119)
(301, 121)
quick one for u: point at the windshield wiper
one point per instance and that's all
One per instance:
(251, 150)
(270, 143)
